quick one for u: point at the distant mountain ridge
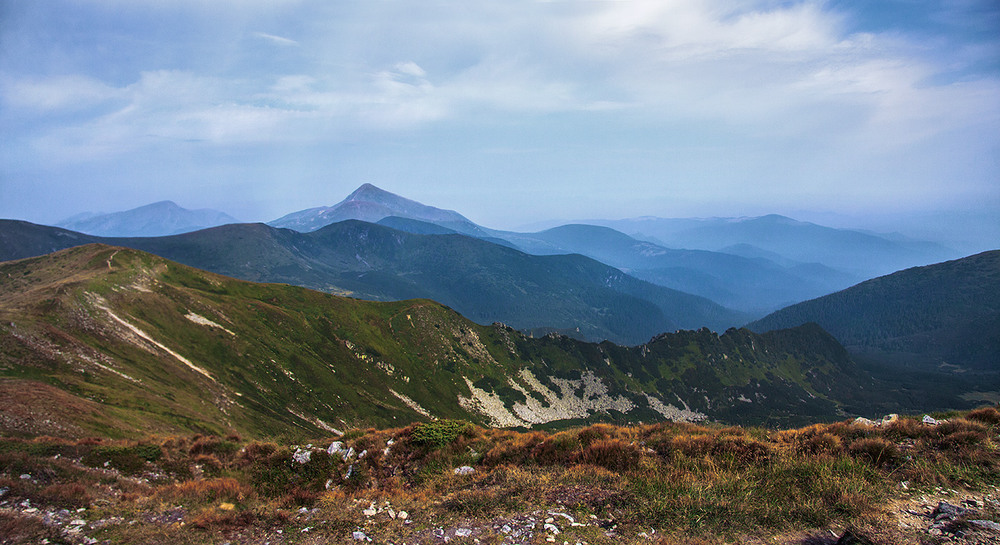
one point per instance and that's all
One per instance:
(752, 265)
(156, 219)
(946, 313)
(484, 281)
(853, 251)
(745, 283)
(749, 285)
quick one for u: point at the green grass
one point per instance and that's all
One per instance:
(297, 352)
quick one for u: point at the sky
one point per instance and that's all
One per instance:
(867, 112)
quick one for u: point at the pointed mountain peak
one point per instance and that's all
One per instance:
(369, 192)
(161, 205)
(372, 204)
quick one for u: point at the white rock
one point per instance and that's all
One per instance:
(464, 470)
(888, 419)
(463, 532)
(402, 515)
(360, 536)
(928, 419)
(335, 448)
(302, 455)
(563, 515)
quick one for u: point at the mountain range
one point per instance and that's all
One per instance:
(740, 276)
(752, 265)
(860, 253)
(486, 282)
(123, 343)
(157, 219)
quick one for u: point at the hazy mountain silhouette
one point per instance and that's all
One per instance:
(157, 219)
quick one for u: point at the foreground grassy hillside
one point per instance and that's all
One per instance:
(120, 343)
(898, 481)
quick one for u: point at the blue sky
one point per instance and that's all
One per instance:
(509, 112)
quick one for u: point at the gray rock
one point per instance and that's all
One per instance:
(302, 455)
(986, 525)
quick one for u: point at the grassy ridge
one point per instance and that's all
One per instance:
(163, 348)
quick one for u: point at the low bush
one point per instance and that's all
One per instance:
(440, 433)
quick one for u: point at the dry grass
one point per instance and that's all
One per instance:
(692, 484)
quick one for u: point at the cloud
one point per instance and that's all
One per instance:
(58, 93)
(781, 89)
(278, 40)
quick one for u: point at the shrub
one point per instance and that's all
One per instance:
(256, 451)
(439, 433)
(209, 463)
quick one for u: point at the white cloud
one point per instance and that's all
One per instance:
(278, 40)
(59, 93)
(757, 69)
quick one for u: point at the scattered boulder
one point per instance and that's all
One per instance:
(302, 455)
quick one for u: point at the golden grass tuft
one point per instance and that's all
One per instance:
(612, 454)
(209, 490)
